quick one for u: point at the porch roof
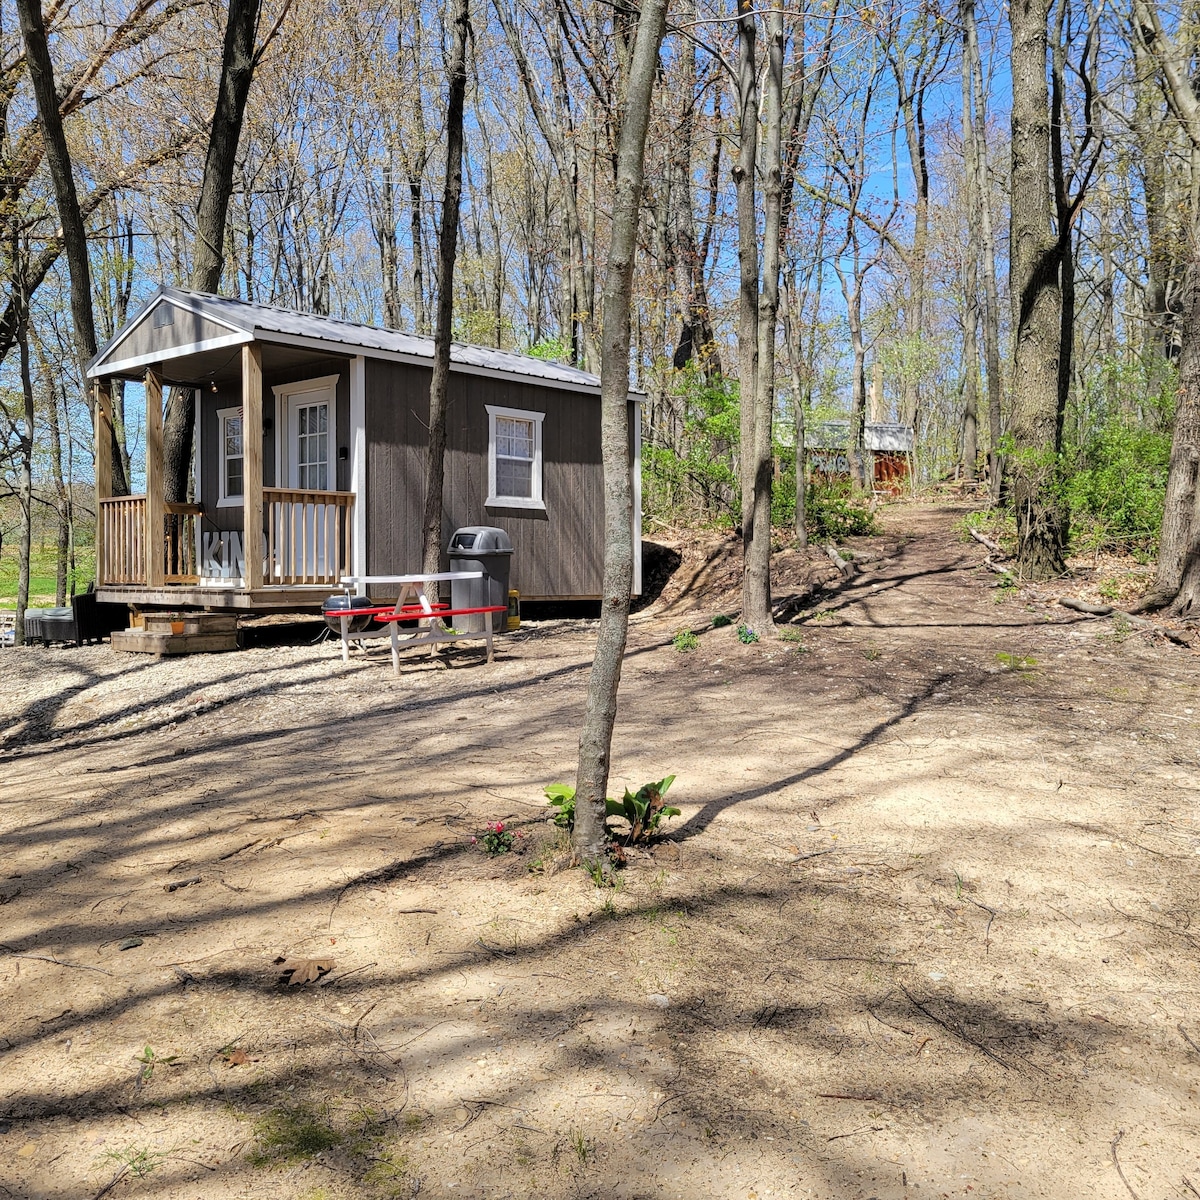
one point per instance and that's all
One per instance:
(220, 323)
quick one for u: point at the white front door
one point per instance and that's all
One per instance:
(308, 464)
(310, 437)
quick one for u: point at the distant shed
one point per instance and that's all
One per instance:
(889, 444)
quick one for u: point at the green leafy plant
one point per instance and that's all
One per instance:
(795, 636)
(149, 1061)
(561, 797)
(1117, 487)
(497, 839)
(746, 635)
(685, 640)
(721, 620)
(643, 809)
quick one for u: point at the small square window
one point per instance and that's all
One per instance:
(514, 458)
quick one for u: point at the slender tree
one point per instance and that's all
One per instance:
(435, 462)
(74, 232)
(595, 739)
(1177, 575)
(1034, 260)
(238, 60)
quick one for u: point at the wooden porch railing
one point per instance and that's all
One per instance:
(179, 542)
(308, 535)
(307, 538)
(122, 543)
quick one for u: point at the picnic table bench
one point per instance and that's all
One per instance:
(413, 605)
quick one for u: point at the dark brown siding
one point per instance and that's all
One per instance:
(557, 553)
(231, 397)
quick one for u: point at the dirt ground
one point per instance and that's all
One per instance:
(927, 927)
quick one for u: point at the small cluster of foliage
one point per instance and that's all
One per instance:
(642, 810)
(833, 513)
(721, 620)
(746, 635)
(685, 640)
(694, 478)
(1116, 494)
(496, 839)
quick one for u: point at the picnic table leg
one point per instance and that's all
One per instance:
(394, 626)
(487, 634)
(345, 623)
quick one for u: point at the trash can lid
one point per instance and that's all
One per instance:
(481, 539)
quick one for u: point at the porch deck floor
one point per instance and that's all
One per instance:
(278, 598)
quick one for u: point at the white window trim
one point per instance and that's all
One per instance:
(223, 500)
(520, 414)
(284, 394)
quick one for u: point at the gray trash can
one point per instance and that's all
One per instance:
(480, 548)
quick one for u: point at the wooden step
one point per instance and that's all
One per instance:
(144, 641)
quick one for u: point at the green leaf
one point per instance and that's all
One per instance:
(614, 808)
(559, 793)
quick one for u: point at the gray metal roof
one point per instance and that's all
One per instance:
(263, 323)
(877, 435)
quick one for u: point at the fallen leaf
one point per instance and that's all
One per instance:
(304, 970)
(237, 1058)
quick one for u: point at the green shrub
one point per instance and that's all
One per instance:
(1116, 493)
(685, 640)
(833, 513)
(643, 809)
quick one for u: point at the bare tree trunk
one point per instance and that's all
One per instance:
(744, 178)
(1177, 544)
(74, 234)
(987, 246)
(25, 476)
(435, 462)
(62, 508)
(756, 525)
(970, 357)
(1034, 261)
(595, 739)
(237, 73)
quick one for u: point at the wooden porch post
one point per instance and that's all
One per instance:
(102, 409)
(252, 463)
(154, 535)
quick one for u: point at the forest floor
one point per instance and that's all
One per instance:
(929, 925)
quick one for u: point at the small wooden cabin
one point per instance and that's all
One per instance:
(310, 445)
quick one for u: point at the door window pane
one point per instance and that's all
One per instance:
(312, 448)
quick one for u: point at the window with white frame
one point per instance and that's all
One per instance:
(232, 458)
(514, 458)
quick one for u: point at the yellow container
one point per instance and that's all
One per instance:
(514, 610)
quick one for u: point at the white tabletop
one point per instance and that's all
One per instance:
(355, 580)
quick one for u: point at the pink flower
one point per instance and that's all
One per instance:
(474, 841)
(499, 826)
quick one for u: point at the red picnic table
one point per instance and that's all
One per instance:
(413, 604)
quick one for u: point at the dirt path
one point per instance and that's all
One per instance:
(927, 926)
